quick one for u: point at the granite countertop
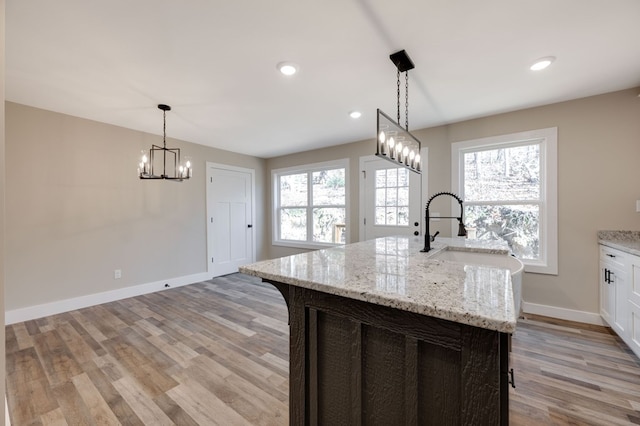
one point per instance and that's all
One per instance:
(626, 241)
(392, 272)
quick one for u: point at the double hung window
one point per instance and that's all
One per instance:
(509, 187)
(310, 205)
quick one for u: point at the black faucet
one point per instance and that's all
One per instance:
(462, 231)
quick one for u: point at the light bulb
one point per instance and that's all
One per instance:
(392, 143)
(287, 68)
(382, 137)
(144, 158)
(188, 164)
(542, 63)
(405, 151)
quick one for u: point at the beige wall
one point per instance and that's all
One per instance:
(598, 174)
(76, 210)
(2, 213)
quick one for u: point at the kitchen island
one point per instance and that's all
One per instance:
(384, 334)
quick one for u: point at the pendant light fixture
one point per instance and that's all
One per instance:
(395, 143)
(176, 171)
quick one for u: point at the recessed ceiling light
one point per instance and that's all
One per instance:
(542, 63)
(355, 114)
(287, 68)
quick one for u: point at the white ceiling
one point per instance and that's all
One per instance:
(215, 62)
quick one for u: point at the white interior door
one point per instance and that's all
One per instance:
(391, 202)
(230, 232)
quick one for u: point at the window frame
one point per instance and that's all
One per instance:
(309, 169)
(548, 139)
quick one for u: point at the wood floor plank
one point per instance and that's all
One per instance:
(174, 411)
(58, 362)
(98, 407)
(110, 394)
(138, 366)
(72, 405)
(140, 401)
(54, 418)
(204, 407)
(217, 353)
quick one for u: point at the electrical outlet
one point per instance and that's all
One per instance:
(117, 274)
(638, 206)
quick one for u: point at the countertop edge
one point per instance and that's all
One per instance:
(504, 325)
(623, 246)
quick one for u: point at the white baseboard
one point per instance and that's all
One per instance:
(53, 308)
(563, 313)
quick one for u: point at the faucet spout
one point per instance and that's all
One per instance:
(462, 231)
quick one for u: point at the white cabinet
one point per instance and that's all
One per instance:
(614, 298)
(634, 304)
(620, 294)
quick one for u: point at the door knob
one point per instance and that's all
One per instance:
(416, 223)
(416, 233)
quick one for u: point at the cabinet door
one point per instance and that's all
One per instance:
(620, 314)
(634, 328)
(634, 280)
(607, 294)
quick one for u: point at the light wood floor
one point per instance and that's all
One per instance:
(216, 353)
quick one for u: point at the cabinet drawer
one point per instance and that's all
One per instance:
(612, 256)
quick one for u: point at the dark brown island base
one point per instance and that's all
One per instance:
(371, 346)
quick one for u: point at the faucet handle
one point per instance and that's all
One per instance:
(433, 237)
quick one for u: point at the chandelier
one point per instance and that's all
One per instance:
(395, 143)
(157, 156)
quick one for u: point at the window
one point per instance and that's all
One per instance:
(310, 205)
(509, 187)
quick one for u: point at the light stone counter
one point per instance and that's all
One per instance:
(626, 241)
(393, 272)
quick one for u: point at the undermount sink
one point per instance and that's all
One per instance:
(487, 259)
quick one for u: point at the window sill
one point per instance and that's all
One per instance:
(305, 245)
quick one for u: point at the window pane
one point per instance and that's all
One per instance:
(293, 224)
(329, 225)
(403, 216)
(381, 178)
(518, 225)
(392, 197)
(381, 197)
(403, 177)
(328, 188)
(403, 196)
(392, 217)
(392, 177)
(293, 190)
(392, 191)
(503, 174)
